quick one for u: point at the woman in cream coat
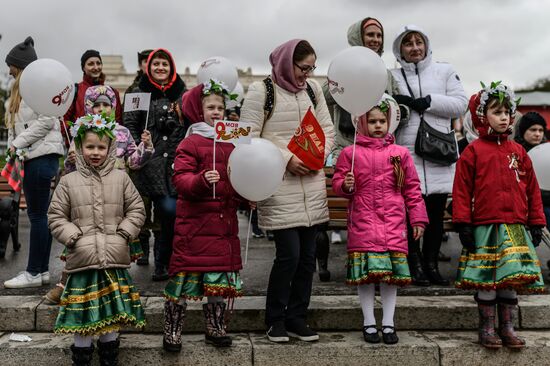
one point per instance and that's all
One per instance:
(300, 203)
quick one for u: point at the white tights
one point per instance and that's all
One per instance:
(86, 341)
(210, 299)
(388, 296)
(492, 294)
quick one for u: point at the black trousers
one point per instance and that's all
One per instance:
(435, 205)
(290, 281)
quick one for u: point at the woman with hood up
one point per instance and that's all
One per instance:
(154, 180)
(432, 91)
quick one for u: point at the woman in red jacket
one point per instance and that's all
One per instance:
(206, 256)
(495, 197)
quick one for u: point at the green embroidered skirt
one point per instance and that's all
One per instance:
(136, 251)
(195, 285)
(96, 302)
(505, 258)
(372, 267)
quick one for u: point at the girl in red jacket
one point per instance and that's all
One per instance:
(495, 197)
(206, 256)
(384, 190)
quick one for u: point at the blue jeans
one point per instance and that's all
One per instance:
(165, 207)
(39, 173)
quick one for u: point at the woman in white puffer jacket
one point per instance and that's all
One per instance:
(437, 93)
(38, 139)
(300, 203)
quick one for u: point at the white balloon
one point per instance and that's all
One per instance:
(218, 68)
(239, 90)
(47, 87)
(357, 78)
(540, 156)
(256, 170)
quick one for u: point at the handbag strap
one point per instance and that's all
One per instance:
(410, 90)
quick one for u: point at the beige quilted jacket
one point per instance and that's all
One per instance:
(299, 201)
(95, 213)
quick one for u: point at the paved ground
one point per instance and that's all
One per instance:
(255, 273)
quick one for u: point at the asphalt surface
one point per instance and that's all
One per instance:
(255, 274)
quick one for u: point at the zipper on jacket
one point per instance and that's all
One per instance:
(301, 177)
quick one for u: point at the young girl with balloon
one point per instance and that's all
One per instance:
(381, 182)
(206, 256)
(498, 256)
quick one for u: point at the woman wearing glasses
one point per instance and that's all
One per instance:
(293, 212)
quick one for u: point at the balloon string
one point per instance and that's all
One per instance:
(248, 237)
(214, 168)
(355, 120)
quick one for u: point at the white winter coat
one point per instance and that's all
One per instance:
(441, 82)
(299, 201)
(39, 134)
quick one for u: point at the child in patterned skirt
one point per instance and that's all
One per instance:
(95, 212)
(206, 256)
(384, 190)
(495, 198)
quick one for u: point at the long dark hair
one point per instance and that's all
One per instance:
(303, 49)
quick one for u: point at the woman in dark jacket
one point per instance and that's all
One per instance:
(162, 121)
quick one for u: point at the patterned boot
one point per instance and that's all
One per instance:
(506, 331)
(108, 352)
(174, 316)
(82, 356)
(488, 338)
(214, 314)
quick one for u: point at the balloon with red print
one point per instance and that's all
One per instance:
(218, 68)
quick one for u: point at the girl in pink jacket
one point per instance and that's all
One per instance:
(384, 190)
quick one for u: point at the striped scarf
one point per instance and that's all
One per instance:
(14, 173)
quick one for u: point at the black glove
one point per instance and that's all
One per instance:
(466, 235)
(404, 111)
(403, 99)
(421, 104)
(536, 235)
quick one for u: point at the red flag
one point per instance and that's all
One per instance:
(308, 142)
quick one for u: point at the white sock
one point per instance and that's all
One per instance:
(507, 294)
(82, 341)
(388, 296)
(487, 295)
(109, 337)
(214, 299)
(366, 298)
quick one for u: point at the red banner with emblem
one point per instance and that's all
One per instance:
(308, 142)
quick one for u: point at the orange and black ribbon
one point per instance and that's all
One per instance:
(398, 170)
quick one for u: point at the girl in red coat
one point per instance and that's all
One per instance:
(384, 190)
(495, 198)
(206, 256)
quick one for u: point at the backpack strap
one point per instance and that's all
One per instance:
(269, 103)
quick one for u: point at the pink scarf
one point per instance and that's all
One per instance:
(282, 71)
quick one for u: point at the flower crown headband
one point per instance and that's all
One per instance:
(214, 86)
(101, 124)
(500, 91)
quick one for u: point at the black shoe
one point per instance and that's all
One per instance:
(257, 233)
(160, 274)
(277, 333)
(143, 261)
(302, 331)
(270, 235)
(371, 337)
(417, 272)
(389, 338)
(432, 271)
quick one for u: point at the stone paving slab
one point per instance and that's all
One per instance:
(18, 312)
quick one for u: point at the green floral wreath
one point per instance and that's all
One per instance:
(214, 86)
(102, 124)
(499, 90)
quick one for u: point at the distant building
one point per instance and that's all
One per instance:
(537, 101)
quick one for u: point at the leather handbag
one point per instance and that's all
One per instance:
(433, 145)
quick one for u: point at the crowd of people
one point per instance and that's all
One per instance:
(127, 174)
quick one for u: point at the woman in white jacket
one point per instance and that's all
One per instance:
(438, 95)
(38, 139)
(300, 203)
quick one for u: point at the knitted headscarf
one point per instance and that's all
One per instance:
(282, 70)
(98, 93)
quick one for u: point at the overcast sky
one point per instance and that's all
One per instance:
(483, 39)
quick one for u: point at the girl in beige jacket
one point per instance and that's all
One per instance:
(95, 211)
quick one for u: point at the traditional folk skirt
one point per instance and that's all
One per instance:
(505, 258)
(96, 302)
(196, 285)
(136, 251)
(372, 267)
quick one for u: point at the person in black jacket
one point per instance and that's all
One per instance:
(154, 180)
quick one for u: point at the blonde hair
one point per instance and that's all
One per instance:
(15, 102)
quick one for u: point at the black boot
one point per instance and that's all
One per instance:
(82, 356)
(431, 268)
(214, 316)
(144, 236)
(417, 272)
(108, 352)
(174, 316)
(322, 253)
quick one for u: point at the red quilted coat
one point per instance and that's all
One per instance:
(206, 230)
